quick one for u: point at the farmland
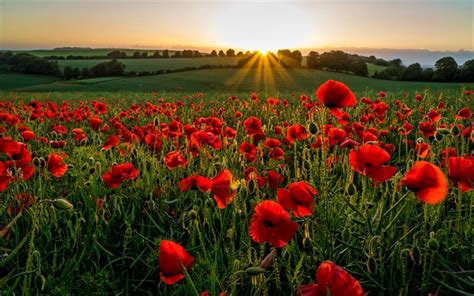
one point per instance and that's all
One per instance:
(103, 191)
(139, 65)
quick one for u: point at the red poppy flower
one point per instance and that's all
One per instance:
(271, 223)
(299, 197)
(296, 132)
(252, 125)
(9, 147)
(175, 159)
(95, 122)
(427, 181)
(194, 182)
(22, 200)
(333, 280)
(274, 179)
(56, 166)
(464, 113)
(461, 171)
(221, 188)
(335, 94)
(369, 160)
(28, 135)
(172, 255)
(249, 151)
(272, 143)
(276, 153)
(153, 142)
(111, 141)
(119, 173)
(422, 150)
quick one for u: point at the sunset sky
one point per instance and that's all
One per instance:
(260, 25)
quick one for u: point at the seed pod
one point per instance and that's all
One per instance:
(62, 204)
(439, 137)
(254, 270)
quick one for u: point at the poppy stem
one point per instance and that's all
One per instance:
(188, 278)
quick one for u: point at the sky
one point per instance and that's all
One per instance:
(252, 25)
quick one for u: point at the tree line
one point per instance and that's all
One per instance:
(159, 54)
(445, 69)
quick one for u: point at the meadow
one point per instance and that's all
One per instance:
(230, 192)
(279, 80)
(93, 52)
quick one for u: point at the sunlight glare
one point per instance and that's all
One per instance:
(263, 27)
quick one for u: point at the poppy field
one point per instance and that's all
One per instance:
(333, 192)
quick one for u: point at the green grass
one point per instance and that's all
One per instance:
(245, 80)
(13, 81)
(94, 80)
(154, 64)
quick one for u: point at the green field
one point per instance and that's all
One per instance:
(80, 52)
(372, 68)
(234, 80)
(154, 64)
(13, 81)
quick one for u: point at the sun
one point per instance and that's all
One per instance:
(263, 26)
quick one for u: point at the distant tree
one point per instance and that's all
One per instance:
(136, 55)
(391, 73)
(239, 54)
(290, 59)
(214, 53)
(85, 72)
(230, 53)
(156, 55)
(144, 55)
(312, 61)
(445, 69)
(196, 54)
(187, 53)
(117, 54)
(396, 62)
(359, 67)
(112, 68)
(413, 72)
(221, 53)
(177, 54)
(466, 73)
(427, 74)
(166, 54)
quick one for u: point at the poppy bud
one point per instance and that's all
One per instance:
(351, 189)
(251, 185)
(433, 244)
(455, 130)
(346, 234)
(420, 141)
(36, 161)
(92, 170)
(443, 131)
(313, 128)
(254, 270)
(371, 265)
(268, 261)
(62, 204)
(307, 165)
(192, 214)
(439, 137)
(85, 167)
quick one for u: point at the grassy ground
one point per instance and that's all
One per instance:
(13, 81)
(244, 80)
(154, 64)
(390, 241)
